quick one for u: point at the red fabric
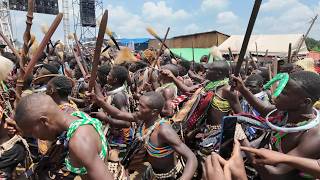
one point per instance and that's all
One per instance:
(200, 110)
(317, 69)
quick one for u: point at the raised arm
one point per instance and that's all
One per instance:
(306, 149)
(181, 86)
(172, 139)
(111, 110)
(269, 157)
(258, 104)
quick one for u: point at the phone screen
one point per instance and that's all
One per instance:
(227, 136)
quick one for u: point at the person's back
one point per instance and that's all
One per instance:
(38, 116)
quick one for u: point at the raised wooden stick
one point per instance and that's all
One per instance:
(97, 51)
(77, 58)
(43, 45)
(246, 39)
(230, 54)
(80, 53)
(15, 52)
(289, 52)
(192, 55)
(154, 34)
(26, 47)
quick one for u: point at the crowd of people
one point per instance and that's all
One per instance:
(154, 115)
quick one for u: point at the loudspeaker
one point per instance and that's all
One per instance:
(88, 13)
(40, 6)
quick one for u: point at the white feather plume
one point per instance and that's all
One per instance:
(6, 66)
(216, 54)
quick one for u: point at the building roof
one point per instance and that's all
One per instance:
(277, 45)
(134, 40)
(195, 34)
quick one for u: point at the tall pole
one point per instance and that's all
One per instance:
(295, 54)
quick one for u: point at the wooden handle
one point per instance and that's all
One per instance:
(97, 51)
(43, 45)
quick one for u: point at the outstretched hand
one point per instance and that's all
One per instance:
(93, 98)
(265, 156)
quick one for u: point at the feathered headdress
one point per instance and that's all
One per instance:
(6, 66)
(216, 54)
(125, 55)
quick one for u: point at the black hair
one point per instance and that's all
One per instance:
(121, 73)
(63, 85)
(27, 82)
(198, 67)
(223, 66)
(104, 70)
(255, 78)
(26, 103)
(52, 69)
(55, 64)
(264, 72)
(287, 67)
(137, 66)
(182, 70)
(155, 100)
(185, 64)
(173, 68)
(310, 83)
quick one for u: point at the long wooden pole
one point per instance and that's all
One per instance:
(246, 39)
(23, 59)
(97, 51)
(161, 47)
(230, 54)
(77, 58)
(289, 52)
(192, 55)
(295, 53)
(43, 45)
(80, 53)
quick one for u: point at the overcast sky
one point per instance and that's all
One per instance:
(129, 18)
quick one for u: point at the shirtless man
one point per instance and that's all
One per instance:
(40, 117)
(296, 101)
(156, 134)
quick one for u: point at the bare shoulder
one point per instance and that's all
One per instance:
(83, 139)
(168, 133)
(310, 142)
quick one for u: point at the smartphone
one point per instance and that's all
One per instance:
(227, 136)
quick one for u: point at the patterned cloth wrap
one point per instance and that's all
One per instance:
(199, 113)
(85, 120)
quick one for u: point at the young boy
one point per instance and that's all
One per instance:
(160, 140)
(294, 107)
(84, 143)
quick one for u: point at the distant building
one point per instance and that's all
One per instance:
(199, 40)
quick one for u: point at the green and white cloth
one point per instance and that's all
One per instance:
(85, 120)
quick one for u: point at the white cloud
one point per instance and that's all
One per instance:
(125, 23)
(274, 5)
(214, 4)
(226, 17)
(292, 19)
(192, 28)
(160, 10)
